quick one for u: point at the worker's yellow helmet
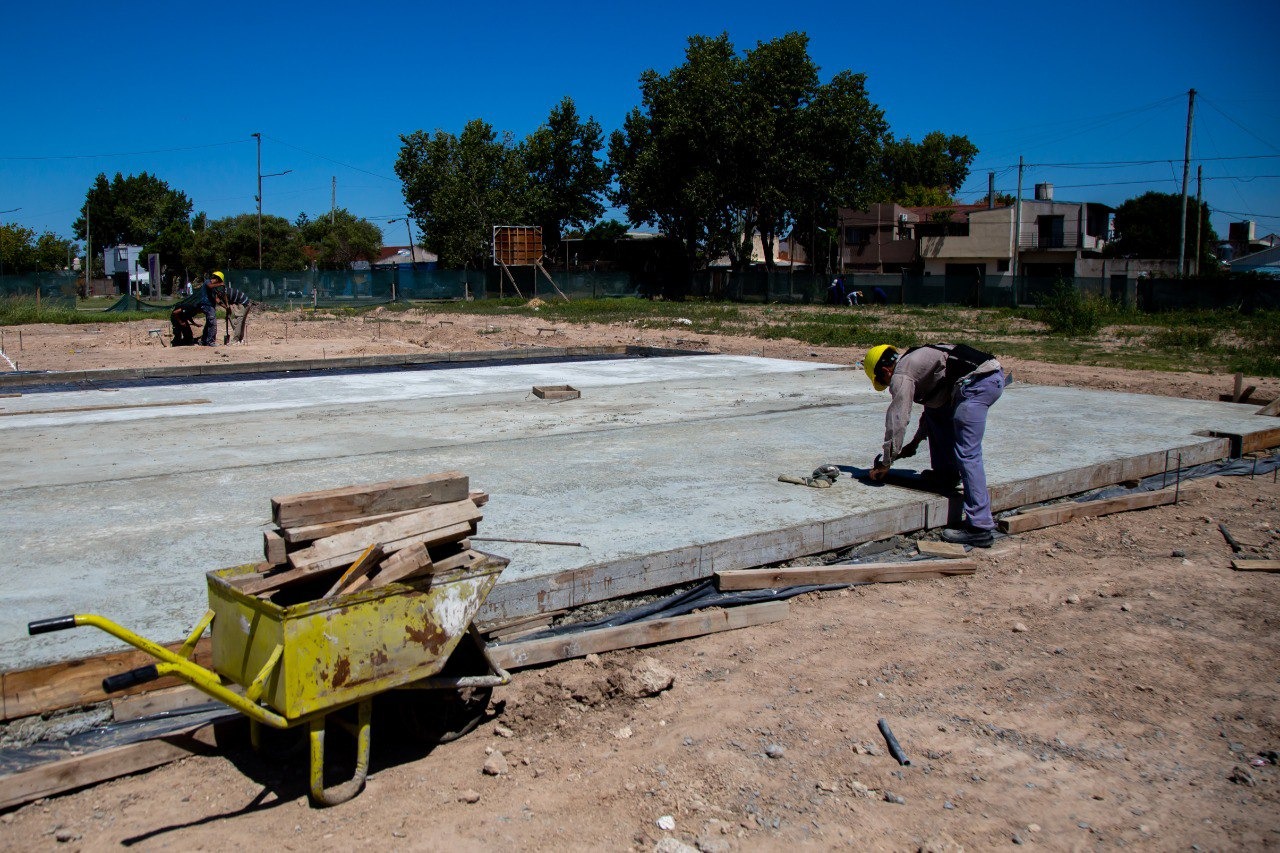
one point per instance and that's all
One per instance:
(872, 360)
(219, 276)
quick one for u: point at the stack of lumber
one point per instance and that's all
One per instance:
(364, 537)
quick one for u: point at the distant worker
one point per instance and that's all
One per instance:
(836, 293)
(236, 303)
(878, 296)
(956, 384)
(855, 297)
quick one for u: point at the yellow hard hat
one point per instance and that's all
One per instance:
(873, 359)
(219, 276)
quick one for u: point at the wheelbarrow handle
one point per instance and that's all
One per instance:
(125, 680)
(57, 623)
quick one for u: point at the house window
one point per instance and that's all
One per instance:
(1002, 265)
(858, 236)
(1051, 232)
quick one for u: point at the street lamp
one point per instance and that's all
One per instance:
(258, 197)
(413, 258)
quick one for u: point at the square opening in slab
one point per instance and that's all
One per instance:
(556, 392)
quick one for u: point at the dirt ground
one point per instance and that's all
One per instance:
(1105, 683)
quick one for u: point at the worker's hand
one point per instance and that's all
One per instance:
(879, 470)
(908, 450)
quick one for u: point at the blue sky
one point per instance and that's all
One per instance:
(176, 89)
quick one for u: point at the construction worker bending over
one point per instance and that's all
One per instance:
(956, 384)
(235, 302)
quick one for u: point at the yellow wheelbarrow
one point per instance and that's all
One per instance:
(298, 663)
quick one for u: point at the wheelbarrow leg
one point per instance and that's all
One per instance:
(340, 793)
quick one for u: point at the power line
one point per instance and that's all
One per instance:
(1239, 125)
(128, 153)
(333, 161)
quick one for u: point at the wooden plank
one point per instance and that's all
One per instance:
(439, 536)
(1271, 409)
(1261, 440)
(69, 684)
(478, 497)
(1256, 565)
(104, 408)
(419, 524)
(68, 774)
(547, 650)
(359, 570)
(413, 561)
(311, 532)
(949, 550)
(373, 499)
(855, 573)
(274, 549)
(1078, 480)
(159, 702)
(1048, 516)
(260, 583)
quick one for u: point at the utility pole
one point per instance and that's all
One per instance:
(258, 136)
(1017, 225)
(991, 190)
(1186, 169)
(258, 197)
(1199, 215)
(333, 199)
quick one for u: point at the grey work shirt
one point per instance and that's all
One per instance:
(919, 377)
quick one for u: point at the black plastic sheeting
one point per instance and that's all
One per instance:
(702, 596)
(1223, 468)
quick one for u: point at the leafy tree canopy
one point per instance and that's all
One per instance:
(459, 187)
(22, 251)
(232, 243)
(567, 179)
(937, 162)
(334, 240)
(605, 229)
(134, 210)
(1147, 227)
(727, 144)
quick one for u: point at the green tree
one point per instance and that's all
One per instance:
(459, 187)
(1147, 227)
(134, 210)
(232, 243)
(15, 248)
(335, 240)
(22, 251)
(726, 145)
(52, 252)
(937, 161)
(674, 155)
(567, 179)
(605, 229)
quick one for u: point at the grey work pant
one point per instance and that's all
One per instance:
(955, 442)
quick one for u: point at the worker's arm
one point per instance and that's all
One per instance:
(909, 449)
(902, 388)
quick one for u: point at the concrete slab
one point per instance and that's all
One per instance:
(665, 469)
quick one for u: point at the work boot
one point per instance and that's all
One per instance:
(966, 535)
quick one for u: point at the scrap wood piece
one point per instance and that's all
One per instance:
(353, 501)
(950, 550)
(404, 564)
(78, 771)
(1034, 519)
(430, 538)
(1256, 565)
(1272, 408)
(850, 573)
(1236, 547)
(306, 534)
(104, 407)
(274, 548)
(436, 524)
(359, 570)
(67, 684)
(549, 649)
